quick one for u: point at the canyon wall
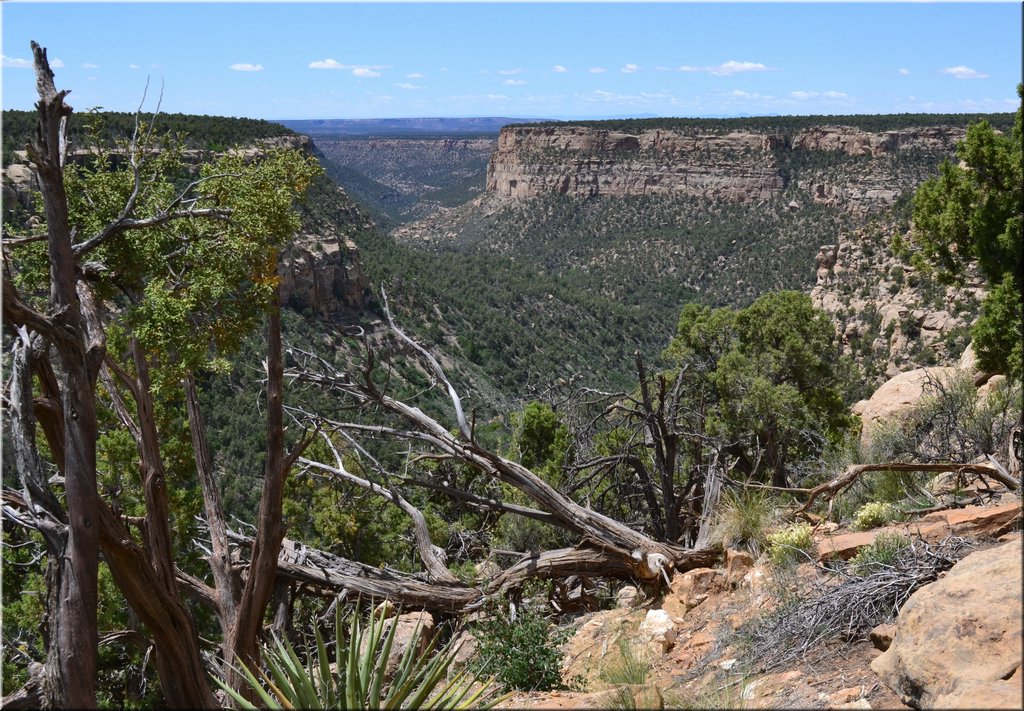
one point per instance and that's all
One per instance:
(833, 164)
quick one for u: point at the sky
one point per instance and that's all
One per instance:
(524, 60)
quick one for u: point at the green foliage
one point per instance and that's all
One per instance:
(213, 133)
(541, 440)
(972, 213)
(520, 648)
(881, 552)
(770, 376)
(791, 544)
(874, 514)
(24, 604)
(743, 520)
(786, 124)
(359, 680)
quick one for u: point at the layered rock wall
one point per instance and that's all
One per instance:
(582, 161)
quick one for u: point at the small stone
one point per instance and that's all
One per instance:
(881, 636)
(627, 596)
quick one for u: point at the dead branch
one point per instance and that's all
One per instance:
(831, 488)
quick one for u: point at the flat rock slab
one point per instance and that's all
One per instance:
(971, 521)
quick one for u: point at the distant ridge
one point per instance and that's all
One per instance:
(402, 126)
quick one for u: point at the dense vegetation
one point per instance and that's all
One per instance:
(214, 133)
(791, 124)
(401, 179)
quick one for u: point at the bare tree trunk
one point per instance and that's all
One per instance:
(259, 583)
(70, 677)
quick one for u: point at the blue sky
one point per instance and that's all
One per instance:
(564, 60)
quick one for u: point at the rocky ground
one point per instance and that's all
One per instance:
(955, 644)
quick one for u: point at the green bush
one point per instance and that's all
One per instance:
(520, 649)
(874, 514)
(790, 544)
(882, 552)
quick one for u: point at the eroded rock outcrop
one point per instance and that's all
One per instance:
(958, 640)
(584, 161)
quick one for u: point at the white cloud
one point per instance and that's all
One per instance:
(134, 66)
(88, 65)
(415, 75)
(245, 67)
(834, 95)
(407, 85)
(513, 82)
(327, 64)
(903, 71)
(803, 94)
(643, 100)
(509, 72)
(597, 70)
(358, 70)
(733, 67)
(962, 72)
(727, 68)
(559, 69)
(629, 69)
(15, 63)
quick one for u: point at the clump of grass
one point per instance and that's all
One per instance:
(874, 514)
(881, 553)
(743, 521)
(791, 544)
(630, 666)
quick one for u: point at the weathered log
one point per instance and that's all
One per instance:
(831, 488)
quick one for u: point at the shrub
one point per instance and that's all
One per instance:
(791, 544)
(520, 648)
(882, 552)
(874, 514)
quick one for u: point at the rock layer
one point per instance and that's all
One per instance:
(583, 161)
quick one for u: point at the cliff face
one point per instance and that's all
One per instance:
(321, 270)
(836, 165)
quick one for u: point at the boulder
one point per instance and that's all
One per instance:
(414, 629)
(658, 631)
(998, 694)
(897, 396)
(737, 565)
(958, 639)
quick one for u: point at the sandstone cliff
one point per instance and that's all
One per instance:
(864, 172)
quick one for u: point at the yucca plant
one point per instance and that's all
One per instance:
(360, 679)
